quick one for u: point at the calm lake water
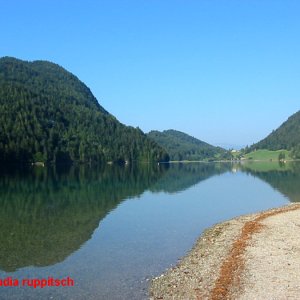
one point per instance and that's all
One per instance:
(111, 229)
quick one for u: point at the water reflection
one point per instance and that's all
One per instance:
(46, 214)
(182, 176)
(283, 177)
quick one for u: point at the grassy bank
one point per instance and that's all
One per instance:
(268, 155)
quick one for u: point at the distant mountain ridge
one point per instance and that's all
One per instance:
(47, 114)
(182, 146)
(286, 136)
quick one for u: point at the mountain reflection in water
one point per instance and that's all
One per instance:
(47, 214)
(283, 177)
(111, 228)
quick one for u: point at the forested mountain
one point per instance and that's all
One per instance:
(47, 114)
(182, 146)
(287, 136)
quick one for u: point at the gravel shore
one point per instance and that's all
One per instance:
(250, 257)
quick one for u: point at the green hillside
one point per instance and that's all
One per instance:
(286, 137)
(264, 154)
(182, 146)
(47, 114)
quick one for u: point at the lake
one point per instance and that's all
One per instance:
(112, 228)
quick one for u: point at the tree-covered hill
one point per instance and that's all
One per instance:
(287, 136)
(47, 114)
(182, 146)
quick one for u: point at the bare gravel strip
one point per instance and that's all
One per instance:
(272, 260)
(232, 260)
(196, 273)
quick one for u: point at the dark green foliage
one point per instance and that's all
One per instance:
(287, 136)
(181, 146)
(296, 152)
(47, 114)
(281, 156)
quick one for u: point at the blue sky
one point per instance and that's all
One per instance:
(226, 72)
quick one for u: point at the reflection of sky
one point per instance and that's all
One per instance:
(145, 235)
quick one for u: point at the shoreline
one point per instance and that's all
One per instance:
(214, 268)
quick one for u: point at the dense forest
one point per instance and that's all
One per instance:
(287, 136)
(182, 146)
(48, 115)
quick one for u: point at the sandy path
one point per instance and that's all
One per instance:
(272, 260)
(250, 257)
